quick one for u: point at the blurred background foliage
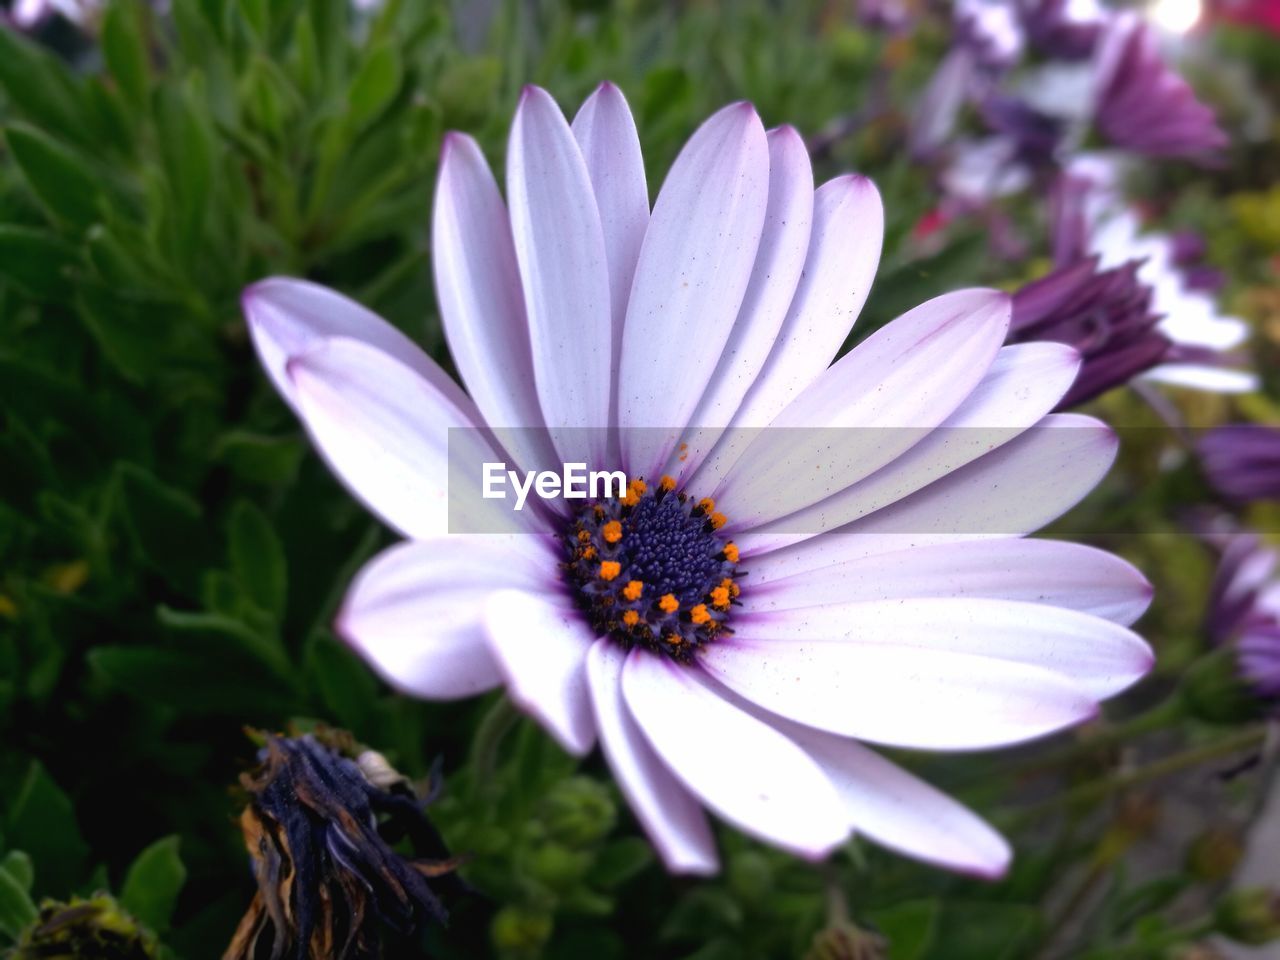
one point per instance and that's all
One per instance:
(172, 553)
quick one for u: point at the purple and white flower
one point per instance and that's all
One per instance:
(754, 609)
(1244, 613)
(1143, 104)
(1242, 461)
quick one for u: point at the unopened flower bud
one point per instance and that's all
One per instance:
(1250, 916)
(579, 811)
(86, 929)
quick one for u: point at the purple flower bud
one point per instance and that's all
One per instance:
(1105, 314)
(1242, 461)
(1244, 614)
(1143, 104)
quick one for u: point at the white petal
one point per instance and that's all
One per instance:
(742, 768)
(385, 432)
(1017, 489)
(669, 814)
(1204, 377)
(288, 317)
(695, 264)
(905, 696)
(1023, 384)
(606, 133)
(844, 252)
(872, 406)
(900, 811)
(481, 303)
(1102, 657)
(559, 244)
(541, 648)
(778, 266)
(414, 611)
(1048, 572)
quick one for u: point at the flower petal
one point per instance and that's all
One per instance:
(900, 695)
(385, 432)
(670, 815)
(694, 268)
(606, 133)
(288, 317)
(541, 648)
(777, 270)
(870, 408)
(739, 766)
(844, 252)
(1102, 657)
(1023, 384)
(902, 812)
(481, 303)
(1049, 572)
(414, 611)
(559, 244)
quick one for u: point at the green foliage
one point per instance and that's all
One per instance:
(173, 554)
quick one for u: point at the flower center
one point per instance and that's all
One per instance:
(650, 569)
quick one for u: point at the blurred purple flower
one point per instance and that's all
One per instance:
(1242, 461)
(1063, 29)
(1143, 104)
(991, 31)
(1244, 613)
(1188, 249)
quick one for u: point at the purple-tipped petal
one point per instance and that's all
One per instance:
(559, 243)
(384, 430)
(541, 646)
(739, 766)
(414, 612)
(695, 265)
(1049, 572)
(1101, 657)
(906, 696)
(871, 407)
(670, 815)
(606, 133)
(288, 317)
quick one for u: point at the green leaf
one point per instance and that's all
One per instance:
(18, 865)
(270, 461)
(374, 85)
(17, 912)
(620, 861)
(41, 87)
(257, 558)
(187, 147)
(37, 260)
(124, 49)
(42, 822)
(61, 179)
(165, 525)
(909, 927)
(152, 885)
(346, 687)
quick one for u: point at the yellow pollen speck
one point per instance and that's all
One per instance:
(699, 614)
(612, 532)
(668, 603)
(630, 618)
(587, 553)
(610, 569)
(583, 536)
(718, 520)
(706, 504)
(632, 590)
(667, 483)
(720, 597)
(731, 552)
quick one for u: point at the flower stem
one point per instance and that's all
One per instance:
(494, 726)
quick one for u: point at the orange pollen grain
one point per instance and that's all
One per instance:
(668, 603)
(587, 553)
(720, 597)
(699, 614)
(731, 552)
(632, 590)
(610, 569)
(584, 536)
(706, 505)
(612, 532)
(667, 483)
(718, 520)
(630, 618)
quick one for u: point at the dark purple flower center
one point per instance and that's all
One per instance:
(651, 569)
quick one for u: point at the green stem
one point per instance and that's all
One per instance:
(500, 719)
(1162, 715)
(1101, 789)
